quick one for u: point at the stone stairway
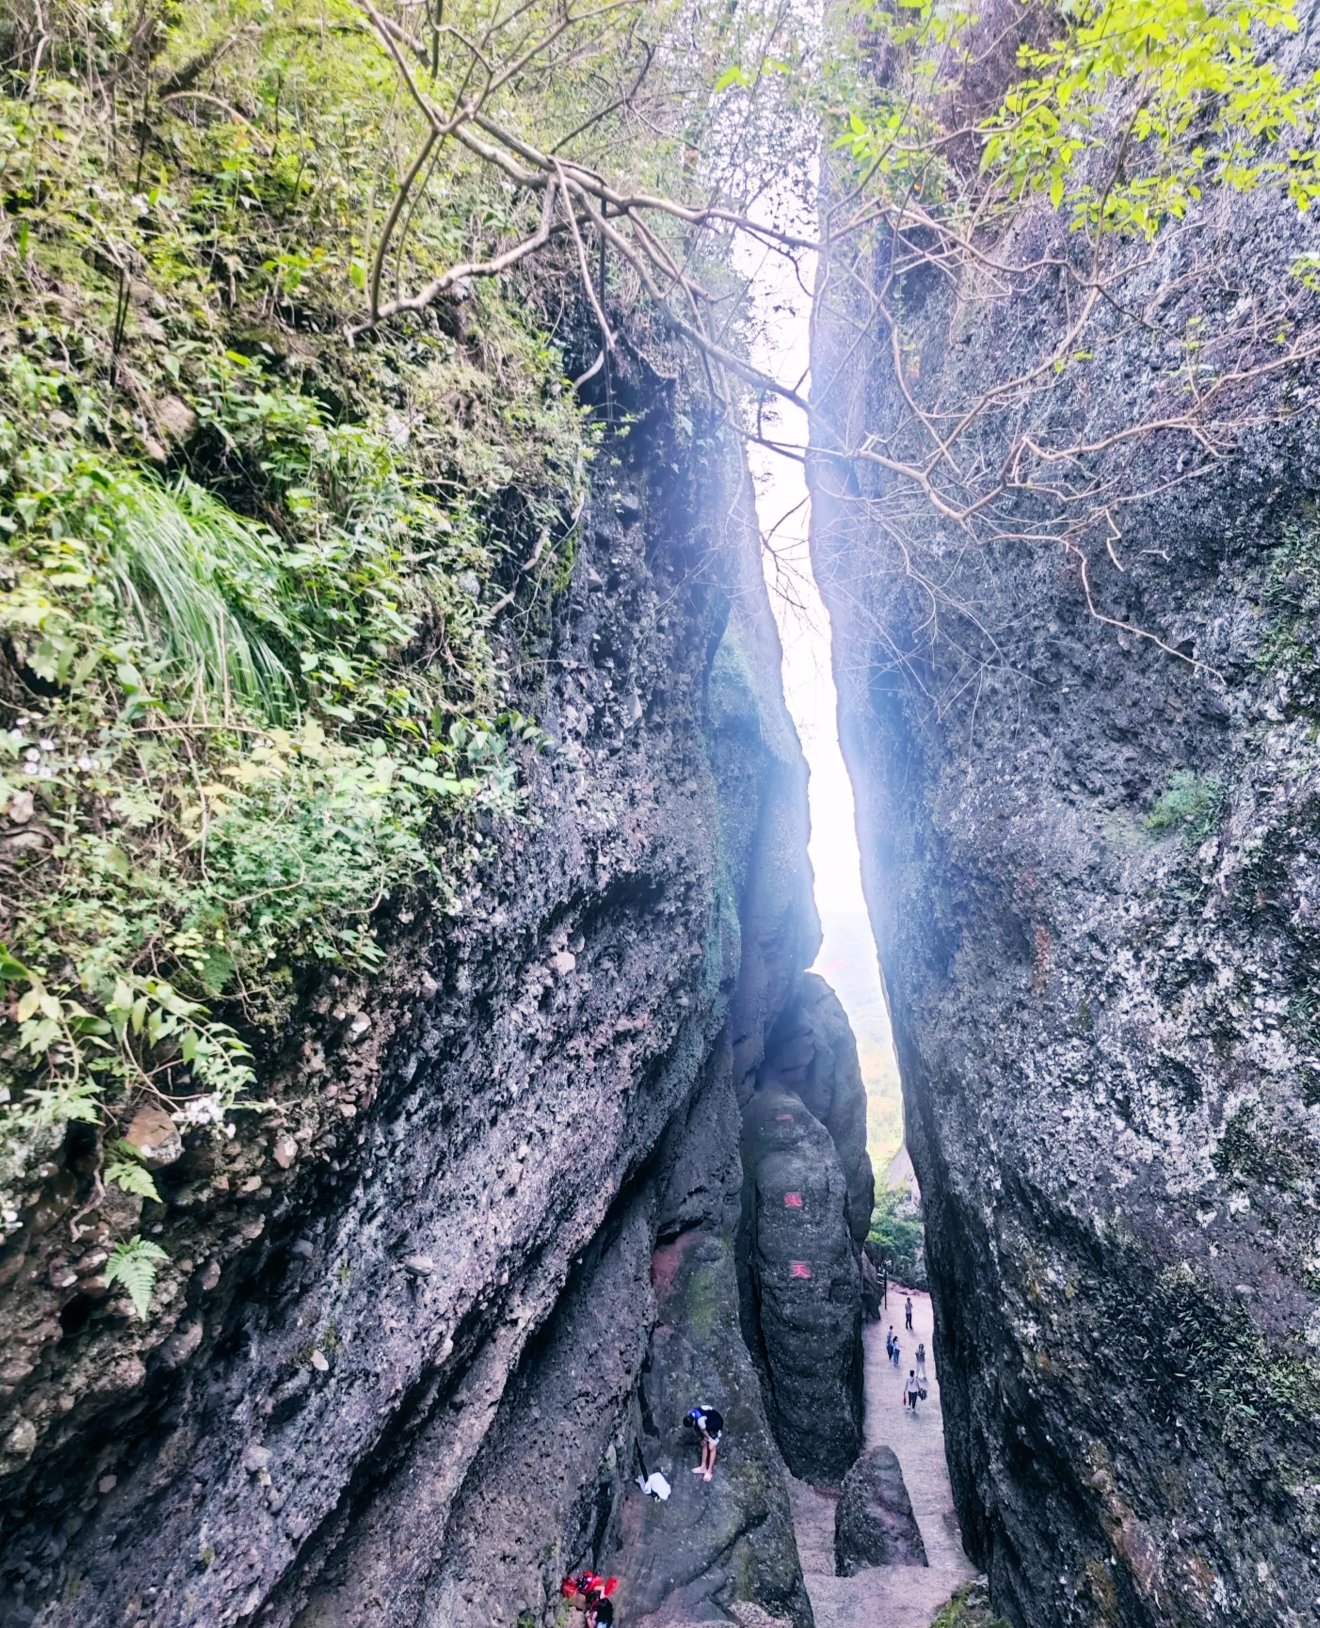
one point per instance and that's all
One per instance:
(890, 1596)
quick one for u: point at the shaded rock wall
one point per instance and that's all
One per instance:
(711, 1546)
(802, 1303)
(391, 1377)
(1102, 994)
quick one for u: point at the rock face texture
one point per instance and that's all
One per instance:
(874, 1524)
(711, 1543)
(1091, 863)
(812, 1052)
(803, 1296)
(397, 1372)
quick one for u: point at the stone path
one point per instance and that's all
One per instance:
(890, 1596)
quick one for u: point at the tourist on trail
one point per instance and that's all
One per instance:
(890, 1343)
(590, 1594)
(600, 1610)
(912, 1390)
(894, 1352)
(709, 1425)
(907, 1313)
(921, 1364)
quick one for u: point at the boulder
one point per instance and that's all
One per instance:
(874, 1524)
(1091, 864)
(872, 1289)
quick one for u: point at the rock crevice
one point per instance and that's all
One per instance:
(399, 1373)
(1088, 856)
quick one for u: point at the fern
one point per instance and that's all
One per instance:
(132, 1178)
(134, 1266)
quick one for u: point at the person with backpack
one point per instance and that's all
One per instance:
(912, 1390)
(708, 1422)
(907, 1313)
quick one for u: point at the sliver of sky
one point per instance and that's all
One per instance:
(847, 959)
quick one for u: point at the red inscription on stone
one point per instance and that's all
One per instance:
(784, 1119)
(798, 1269)
(792, 1201)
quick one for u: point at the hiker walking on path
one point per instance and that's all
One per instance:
(709, 1425)
(912, 1389)
(907, 1313)
(921, 1364)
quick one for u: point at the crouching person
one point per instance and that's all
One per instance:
(709, 1425)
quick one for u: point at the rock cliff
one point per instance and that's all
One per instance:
(812, 1052)
(802, 1284)
(399, 1373)
(1089, 855)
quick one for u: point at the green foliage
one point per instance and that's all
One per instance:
(897, 1235)
(703, 1298)
(1253, 1396)
(129, 1175)
(1248, 1150)
(248, 687)
(1192, 805)
(133, 1265)
(1292, 607)
(1122, 118)
(1183, 94)
(969, 1608)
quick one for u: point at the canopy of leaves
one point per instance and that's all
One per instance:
(1122, 112)
(1168, 97)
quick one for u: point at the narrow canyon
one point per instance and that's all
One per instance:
(418, 1088)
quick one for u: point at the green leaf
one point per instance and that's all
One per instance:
(134, 1265)
(132, 1178)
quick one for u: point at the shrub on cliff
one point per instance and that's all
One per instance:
(248, 687)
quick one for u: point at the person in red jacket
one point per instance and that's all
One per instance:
(600, 1609)
(592, 1593)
